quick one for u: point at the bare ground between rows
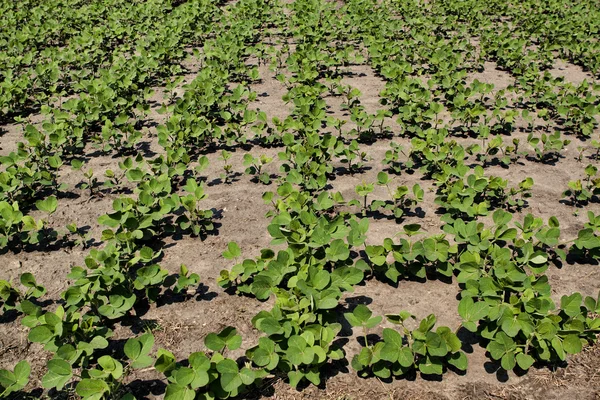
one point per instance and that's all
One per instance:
(182, 326)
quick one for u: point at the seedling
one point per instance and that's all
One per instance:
(580, 151)
(15, 380)
(547, 147)
(82, 238)
(12, 298)
(225, 156)
(254, 167)
(487, 149)
(511, 154)
(91, 183)
(581, 192)
(392, 159)
(185, 280)
(113, 181)
(336, 124)
(351, 96)
(361, 317)
(170, 87)
(364, 190)
(197, 220)
(399, 353)
(595, 144)
(400, 198)
(351, 153)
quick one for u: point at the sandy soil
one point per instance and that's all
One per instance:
(181, 327)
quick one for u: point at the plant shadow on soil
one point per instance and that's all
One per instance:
(11, 315)
(573, 259)
(179, 234)
(431, 274)
(169, 297)
(377, 215)
(344, 170)
(50, 242)
(35, 394)
(143, 389)
(232, 178)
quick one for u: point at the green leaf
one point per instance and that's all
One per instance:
(557, 344)
(524, 361)
(472, 312)
(247, 376)
(501, 345)
(133, 348)
(22, 371)
(508, 234)
(508, 361)
(7, 378)
(76, 164)
(459, 360)
(361, 316)
(406, 358)
(539, 259)
(179, 392)
(295, 377)
(572, 344)
(228, 337)
(501, 217)
(321, 279)
(59, 373)
(412, 229)
(346, 277)
(52, 380)
(47, 205)
(135, 175)
(165, 361)
(59, 367)
(90, 387)
(230, 377)
(511, 327)
(28, 280)
(233, 251)
(269, 325)
(184, 376)
(373, 322)
(571, 305)
(393, 345)
(40, 334)
(430, 366)
(338, 250)
(363, 359)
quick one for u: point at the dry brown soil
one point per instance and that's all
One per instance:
(182, 326)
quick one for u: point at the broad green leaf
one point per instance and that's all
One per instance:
(571, 305)
(233, 251)
(90, 387)
(230, 376)
(459, 360)
(179, 392)
(228, 337)
(572, 344)
(524, 361)
(40, 334)
(508, 361)
(511, 327)
(47, 205)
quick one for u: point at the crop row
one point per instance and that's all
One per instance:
(93, 86)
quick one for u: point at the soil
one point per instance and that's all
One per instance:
(182, 326)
